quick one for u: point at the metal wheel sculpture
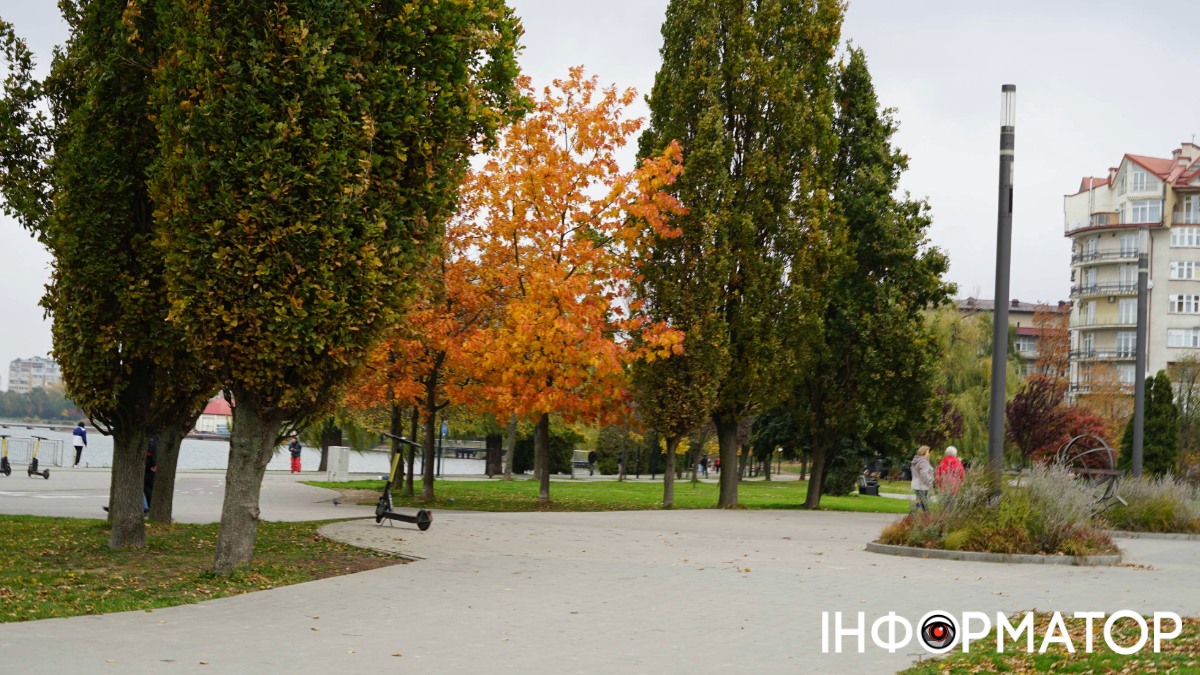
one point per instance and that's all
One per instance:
(1093, 461)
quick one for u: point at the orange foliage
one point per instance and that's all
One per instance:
(560, 229)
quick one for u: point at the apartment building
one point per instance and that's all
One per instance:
(1020, 317)
(25, 375)
(1103, 221)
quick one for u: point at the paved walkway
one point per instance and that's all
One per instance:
(80, 493)
(655, 592)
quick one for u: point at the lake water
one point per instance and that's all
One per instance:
(198, 454)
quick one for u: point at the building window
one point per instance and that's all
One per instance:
(1121, 214)
(1189, 210)
(1185, 237)
(1127, 310)
(1129, 245)
(1183, 337)
(1089, 277)
(1142, 181)
(1127, 275)
(1147, 212)
(1026, 343)
(1091, 314)
(1126, 343)
(1184, 304)
(1091, 248)
(1126, 373)
(1121, 186)
(1185, 270)
(1089, 342)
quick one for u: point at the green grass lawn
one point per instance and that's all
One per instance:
(521, 495)
(58, 567)
(1180, 656)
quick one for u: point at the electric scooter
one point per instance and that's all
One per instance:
(33, 462)
(5, 467)
(383, 509)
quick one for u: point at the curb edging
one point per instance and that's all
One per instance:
(395, 554)
(1173, 536)
(975, 556)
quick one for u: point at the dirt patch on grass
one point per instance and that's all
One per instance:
(359, 496)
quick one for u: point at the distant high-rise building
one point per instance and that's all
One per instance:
(1103, 219)
(25, 375)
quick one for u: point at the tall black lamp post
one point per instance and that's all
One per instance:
(1008, 137)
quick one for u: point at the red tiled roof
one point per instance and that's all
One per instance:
(1155, 165)
(218, 406)
(1089, 183)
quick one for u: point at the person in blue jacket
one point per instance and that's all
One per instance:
(80, 441)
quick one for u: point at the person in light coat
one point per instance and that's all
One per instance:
(922, 479)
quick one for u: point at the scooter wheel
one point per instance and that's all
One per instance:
(424, 520)
(46, 474)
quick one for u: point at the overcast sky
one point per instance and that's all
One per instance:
(1094, 80)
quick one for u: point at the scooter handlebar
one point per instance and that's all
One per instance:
(402, 440)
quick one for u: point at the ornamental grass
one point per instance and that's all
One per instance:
(1047, 512)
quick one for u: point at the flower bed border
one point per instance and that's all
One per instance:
(975, 556)
(1173, 536)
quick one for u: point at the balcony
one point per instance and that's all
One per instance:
(1185, 217)
(1119, 354)
(1101, 290)
(1084, 388)
(1115, 255)
(1103, 322)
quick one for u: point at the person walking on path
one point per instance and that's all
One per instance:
(592, 457)
(922, 479)
(294, 448)
(717, 466)
(79, 440)
(704, 465)
(949, 475)
(148, 476)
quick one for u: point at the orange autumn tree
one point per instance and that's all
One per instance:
(419, 363)
(560, 227)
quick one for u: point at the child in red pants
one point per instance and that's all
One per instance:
(294, 448)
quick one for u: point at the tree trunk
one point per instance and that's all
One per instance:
(727, 439)
(125, 488)
(396, 428)
(623, 454)
(251, 445)
(541, 457)
(162, 501)
(743, 459)
(330, 435)
(816, 481)
(696, 466)
(495, 448)
(428, 451)
(653, 455)
(510, 444)
(412, 454)
(669, 472)
(767, 469)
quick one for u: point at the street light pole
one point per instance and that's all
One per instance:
(1008, 136)
(1139, 372)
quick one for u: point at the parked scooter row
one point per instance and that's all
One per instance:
(32, 470)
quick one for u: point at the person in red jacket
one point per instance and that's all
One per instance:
(949, 476)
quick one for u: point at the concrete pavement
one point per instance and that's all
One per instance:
(80, 493)
(631, 592)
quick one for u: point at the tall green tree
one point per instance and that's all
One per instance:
(745, 89)
(310, 155)
(1160, 435)
(871, 377)
(122, 362)
(675, 396)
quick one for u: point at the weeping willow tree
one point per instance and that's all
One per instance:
(965, 373)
